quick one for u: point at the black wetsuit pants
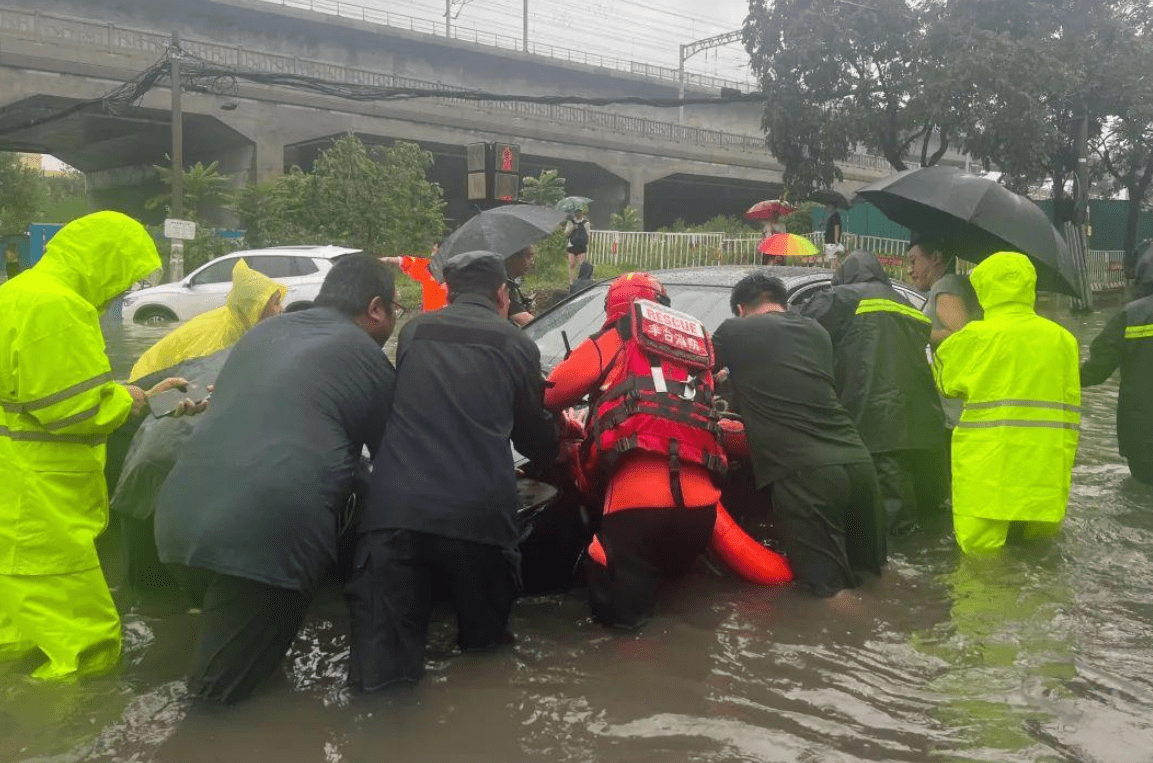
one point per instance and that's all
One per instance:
(643, 548)
(390, 596)
(832, 525)
(914, 485)
(246, 629)
(1141, 469)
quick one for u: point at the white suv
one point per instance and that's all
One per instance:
(300, 269)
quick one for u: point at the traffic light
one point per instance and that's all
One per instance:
(493, 171)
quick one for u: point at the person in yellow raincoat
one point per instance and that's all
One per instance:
(1018, 376)
(253, 297)
(58, 404)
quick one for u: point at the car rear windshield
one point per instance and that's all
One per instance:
(584, 314)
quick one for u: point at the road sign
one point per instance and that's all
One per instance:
(185, 230)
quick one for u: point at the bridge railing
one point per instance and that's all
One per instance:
(508, 42)
(68, 31)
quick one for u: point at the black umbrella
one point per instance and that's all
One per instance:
(975, 217)
(829, 196)
(504, 230)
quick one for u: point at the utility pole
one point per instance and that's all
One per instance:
(448, 18)
(691, 49)
(524, 45)
(176, 260)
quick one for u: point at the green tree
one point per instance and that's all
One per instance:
(376, 199)
(628, 219)
(546, 189)
(203, 186)
(21, 194)
(839, 75)
(65, 197)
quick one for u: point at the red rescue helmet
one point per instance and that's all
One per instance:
(627, 289)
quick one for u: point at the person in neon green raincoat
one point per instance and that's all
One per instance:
(58, 404)
(1018, 376)
(253, 296)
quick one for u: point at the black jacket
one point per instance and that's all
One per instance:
(882, 371)
(261, 487)
(1127, 341)
(781, 366)
(467, 382)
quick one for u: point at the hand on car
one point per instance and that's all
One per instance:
(187, 407)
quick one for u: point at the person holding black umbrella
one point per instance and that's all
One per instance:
(1127, 341)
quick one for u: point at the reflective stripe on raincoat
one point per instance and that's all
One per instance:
(58, 402)
(1017, 373)
(216, 329)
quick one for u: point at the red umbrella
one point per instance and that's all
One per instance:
(769, 210)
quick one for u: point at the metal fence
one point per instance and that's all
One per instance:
(653, 251)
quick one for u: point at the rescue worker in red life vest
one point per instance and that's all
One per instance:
(652, 442)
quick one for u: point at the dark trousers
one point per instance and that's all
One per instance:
(142, 567)
(390, 599)
(914, 485)
(643, 548)
(1141, 469)
(246, 628)
(832, 525)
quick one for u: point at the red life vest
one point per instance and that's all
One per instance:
(657, 395)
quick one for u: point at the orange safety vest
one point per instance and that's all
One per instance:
(657, 395)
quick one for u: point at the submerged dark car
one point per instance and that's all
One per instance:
(557, 524)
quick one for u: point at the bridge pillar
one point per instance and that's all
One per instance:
(268, 163)
(637, 177)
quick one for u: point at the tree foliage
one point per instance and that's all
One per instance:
(841, 75)
(378, 199)
(21, 194)
(203, 185)
(545, 189)
(628, 219)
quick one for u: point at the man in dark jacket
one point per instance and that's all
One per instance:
(1127, 341)
(883, 378)
(249, 517)
(807, 456)
(443, 499)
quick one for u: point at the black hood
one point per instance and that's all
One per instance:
(860, 267)
(1144, 272)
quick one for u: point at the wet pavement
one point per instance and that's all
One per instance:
(1042, 654)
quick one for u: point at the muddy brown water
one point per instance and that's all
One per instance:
(1042, 654)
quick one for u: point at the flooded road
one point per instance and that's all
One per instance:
(1042, 654)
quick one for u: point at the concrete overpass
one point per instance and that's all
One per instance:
(617, 155)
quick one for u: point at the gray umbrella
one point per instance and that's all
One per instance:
(504, 230)
(975, 217)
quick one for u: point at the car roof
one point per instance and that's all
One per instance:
(727, 276)
(324, 251)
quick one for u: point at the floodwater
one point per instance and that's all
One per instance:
(1042, 654)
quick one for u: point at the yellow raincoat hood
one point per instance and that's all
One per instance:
(1003, 279)
(216, 329)
(99, 256)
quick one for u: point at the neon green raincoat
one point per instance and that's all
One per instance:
(1018, 376)
(58, 404)
(216, 329)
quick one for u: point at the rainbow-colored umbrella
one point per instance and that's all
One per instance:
(787, 245)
